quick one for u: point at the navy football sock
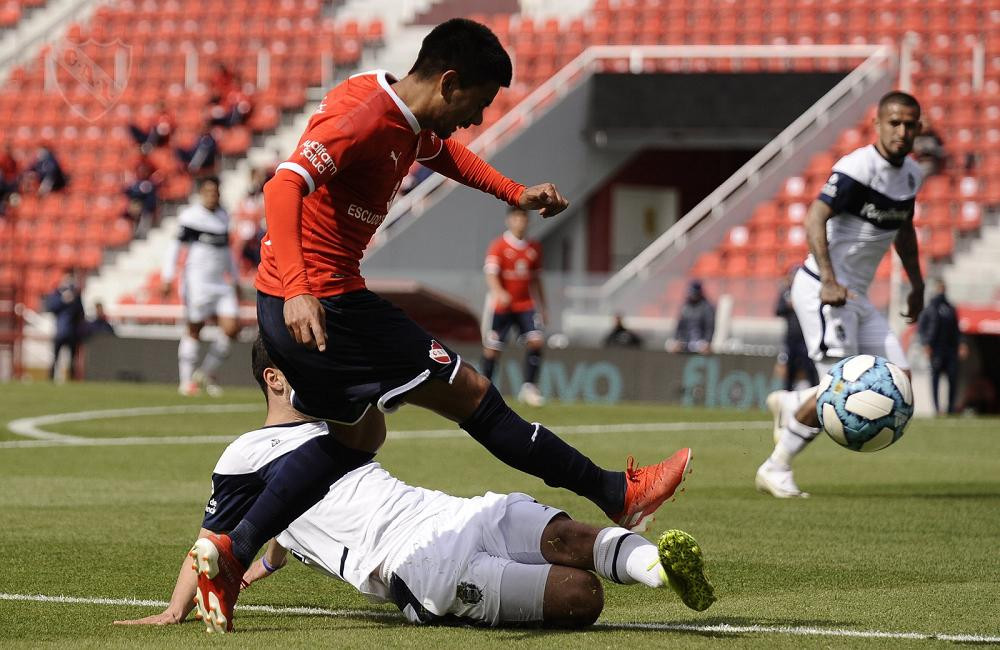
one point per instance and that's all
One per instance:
(296, 484)
(532, 364)
(488, 366)
(535, 450)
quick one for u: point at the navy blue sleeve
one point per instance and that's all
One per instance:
(232, 496)
(843, 194)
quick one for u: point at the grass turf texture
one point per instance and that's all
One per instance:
(901, 540)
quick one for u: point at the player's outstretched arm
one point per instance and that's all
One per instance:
(182, 599)
(908, 251)
(458, 163)
(831, 292)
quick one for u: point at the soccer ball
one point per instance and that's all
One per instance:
(864, 402)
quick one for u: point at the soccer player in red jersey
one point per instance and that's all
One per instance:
(344, 349)
(513, 273)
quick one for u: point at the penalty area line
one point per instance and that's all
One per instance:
(33, 428)
(718, 628)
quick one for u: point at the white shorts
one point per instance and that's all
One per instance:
(832, 333)
(453, 573)
(205, 300)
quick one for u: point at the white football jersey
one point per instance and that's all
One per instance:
(871, 198)
(209, 258)
(367, 517)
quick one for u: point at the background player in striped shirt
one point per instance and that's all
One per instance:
(345, 350)
(494, 559)
(513, 274)
(864, 208)
(209, 287)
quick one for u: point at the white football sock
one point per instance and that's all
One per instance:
(218, 351)
(793, 439)
(803, 394)
(187, 356)
(626, 558)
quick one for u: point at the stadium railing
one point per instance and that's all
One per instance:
(624, 289)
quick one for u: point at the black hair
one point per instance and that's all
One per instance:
(467, 47)
(898, 97)
(260, 361)
(208, 179)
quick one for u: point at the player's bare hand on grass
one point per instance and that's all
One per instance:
(914, 305)
(306, 320)
(254, 573)
(165, 617)
(834, 294)
(545, 198)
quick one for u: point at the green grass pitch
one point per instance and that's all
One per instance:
(904, 540)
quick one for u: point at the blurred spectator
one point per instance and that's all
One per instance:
(221, 82)
(65, 303)
(202, 158)
(928, 148)
(696, 323)
(46, 171)
(799, 369)
(939, 333)
(250, 223)
(144, 202)
(154, 127)
(10, 176)
(230, 100)
(622, 337)
(233, 108)
(99, 326)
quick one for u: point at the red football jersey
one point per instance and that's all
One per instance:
(517, 262)
(354, 154)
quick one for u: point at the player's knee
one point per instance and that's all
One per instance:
(581, 597)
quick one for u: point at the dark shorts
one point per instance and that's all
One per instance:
(374, 355)
(528, 324)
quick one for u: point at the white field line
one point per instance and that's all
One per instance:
(30, 427)
(720, 628)
(40, 437)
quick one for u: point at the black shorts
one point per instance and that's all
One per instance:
(374, 355)
(528, 323)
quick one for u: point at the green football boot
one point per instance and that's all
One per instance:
(681, 561)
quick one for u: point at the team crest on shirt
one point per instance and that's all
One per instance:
(469, 593)
(439, 354)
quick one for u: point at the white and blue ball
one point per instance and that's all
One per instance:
(864, 402)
